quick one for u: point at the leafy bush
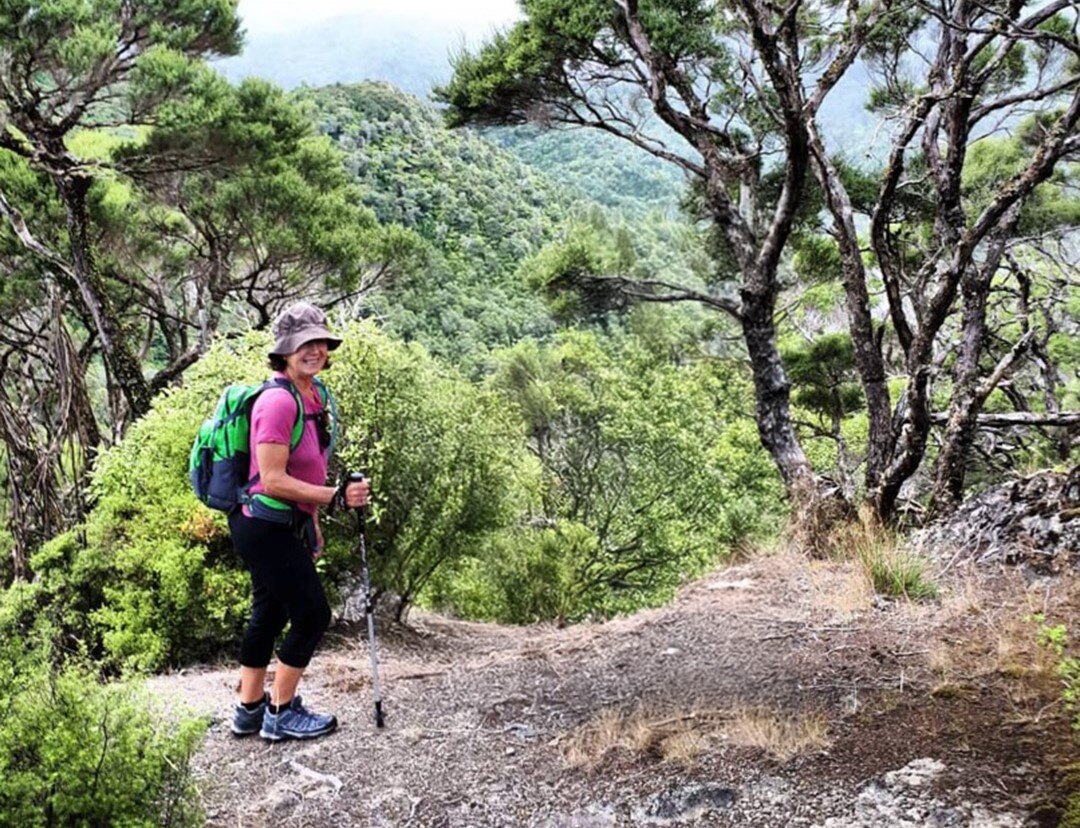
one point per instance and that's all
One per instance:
(74, 751)
(649, 471)
(151, 579)
(445, 456)
(524, 575)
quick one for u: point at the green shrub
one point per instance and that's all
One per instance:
(151, 578)
(523, 576)
(446, 458)
(74, 751)
(650, 473)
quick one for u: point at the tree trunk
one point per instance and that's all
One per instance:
(865, 345)
(818, 506)
(911, 427)
(965, 402)
(772, 393)
(968, 393)
(122, 364)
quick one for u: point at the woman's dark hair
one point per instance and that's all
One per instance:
(278, 363)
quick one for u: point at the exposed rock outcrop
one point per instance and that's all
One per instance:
(1033, 522)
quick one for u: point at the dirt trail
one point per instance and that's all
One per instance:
(778, 692)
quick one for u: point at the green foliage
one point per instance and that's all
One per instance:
(482, 213)
(446, 458)
(823, 375)
(566, 271)
(524, 575)
(993, 161)
(504, 80)
(72, 37)
(1055, 637)
(817, 259)
(649, 475)
(583, 273)
(598, 166)
(897, 573)
(479, 210)
(278, 203)
(151, 580)
(75, 751)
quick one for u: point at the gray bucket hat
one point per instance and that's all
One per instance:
(300, 323)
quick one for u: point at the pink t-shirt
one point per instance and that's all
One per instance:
(272, 420)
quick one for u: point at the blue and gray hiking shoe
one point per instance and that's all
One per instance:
(296, 722)
(246, 722)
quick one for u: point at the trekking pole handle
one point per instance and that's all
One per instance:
(356, 477)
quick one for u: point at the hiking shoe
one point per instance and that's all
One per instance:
(246, 722)
(296, 722)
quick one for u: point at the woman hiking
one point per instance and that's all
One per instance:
(276, 532)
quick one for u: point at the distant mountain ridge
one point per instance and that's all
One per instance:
(413, 54)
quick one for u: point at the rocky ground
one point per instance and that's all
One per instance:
(777, 692)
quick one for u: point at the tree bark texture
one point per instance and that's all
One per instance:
(122, 363)
(968, 393)
(772, 392)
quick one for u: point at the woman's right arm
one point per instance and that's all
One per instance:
(272, 422)
(272, 459)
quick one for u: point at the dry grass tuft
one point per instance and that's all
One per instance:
(950, 674)
(817, 524)
(683, 747)
(1018, 653)
(964, 597)
(587, 747)
(843, 590)
(671, 738)
(782, 737)
(682, 738)
(891, 569)
(941, 660)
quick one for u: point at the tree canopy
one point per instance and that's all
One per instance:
(146, 204)
(740, 85)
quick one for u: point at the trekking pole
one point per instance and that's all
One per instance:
(369, 605)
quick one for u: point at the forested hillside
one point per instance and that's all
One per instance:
(485, 215)
(599, 167)
(480, 211)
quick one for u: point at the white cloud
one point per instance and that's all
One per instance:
(473, 17)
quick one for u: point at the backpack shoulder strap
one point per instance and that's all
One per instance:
(330, 405)
(298, 424)
(294, 440)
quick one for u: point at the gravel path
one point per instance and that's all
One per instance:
(778, 692)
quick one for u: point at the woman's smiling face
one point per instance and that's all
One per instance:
(308, 359)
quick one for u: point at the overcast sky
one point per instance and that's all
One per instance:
(473, 17)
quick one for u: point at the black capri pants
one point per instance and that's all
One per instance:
(285, 588)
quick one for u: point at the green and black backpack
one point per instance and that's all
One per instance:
(221, 457)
